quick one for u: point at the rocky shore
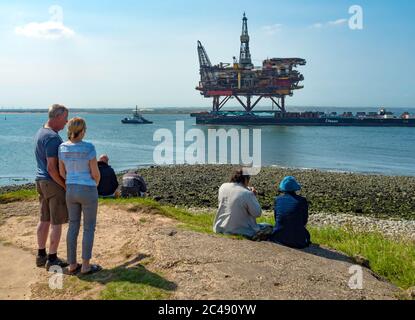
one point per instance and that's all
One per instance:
(388, 197)
(13, 188)
(396, 229)
(357, 194)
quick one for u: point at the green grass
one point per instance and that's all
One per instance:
(201, 222)
(394, 260)
(391, 259)
(135, 284)
(21, 195)
(121, 283)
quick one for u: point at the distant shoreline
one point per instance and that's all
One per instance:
(97, 111)
(186, 110)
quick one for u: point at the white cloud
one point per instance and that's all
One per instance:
(272, 29)
(338, 22)
(335, 23)
(317, 25)
(45, 30)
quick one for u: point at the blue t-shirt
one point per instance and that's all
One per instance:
(76, 157)
(47, 145)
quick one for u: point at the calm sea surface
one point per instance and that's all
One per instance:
(389, 151)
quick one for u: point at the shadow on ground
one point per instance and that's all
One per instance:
(130, 281)
(316, 250)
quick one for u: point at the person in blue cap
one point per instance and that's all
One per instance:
(291, 216)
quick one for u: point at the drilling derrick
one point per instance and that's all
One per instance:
(245, 55)
(276, 79)
(206, 74)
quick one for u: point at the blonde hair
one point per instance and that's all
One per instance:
(75, 127)
(56, 110)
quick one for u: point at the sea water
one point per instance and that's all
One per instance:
(379, 150)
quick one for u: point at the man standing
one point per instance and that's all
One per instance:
(50, 187)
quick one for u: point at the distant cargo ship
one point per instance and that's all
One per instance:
(382, 118)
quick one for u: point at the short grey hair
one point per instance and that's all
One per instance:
(56, 110)
(104, 158)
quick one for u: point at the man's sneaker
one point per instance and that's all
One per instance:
(41, 261)
(57, 262)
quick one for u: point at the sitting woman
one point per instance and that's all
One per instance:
(239, 209)
(78, 165)
(291, 216)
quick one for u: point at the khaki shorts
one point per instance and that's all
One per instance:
(52, 202)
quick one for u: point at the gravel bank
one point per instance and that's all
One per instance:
(397, 229)
(357, 194)
(13, 188)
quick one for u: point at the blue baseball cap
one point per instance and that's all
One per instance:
(289, 184)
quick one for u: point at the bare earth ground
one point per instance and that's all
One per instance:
(199, 266)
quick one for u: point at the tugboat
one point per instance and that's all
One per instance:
(137, 118)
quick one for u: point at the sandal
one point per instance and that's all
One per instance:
(93, 269)
(76, 271)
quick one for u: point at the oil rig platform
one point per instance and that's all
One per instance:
(276, 79)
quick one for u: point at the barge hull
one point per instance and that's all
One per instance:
(329, 122)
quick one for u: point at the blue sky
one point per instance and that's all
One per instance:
(119, 54)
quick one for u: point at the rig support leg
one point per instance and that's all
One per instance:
(276, 103)
(215, 104)
(283, 104)
(248, 104)
(256, 102)
(224, 101)
(241, 102)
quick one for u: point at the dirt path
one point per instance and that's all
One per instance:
(17, 273)
(201, 266)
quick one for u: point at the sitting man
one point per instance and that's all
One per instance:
(291, 216)
(238, 210)
(133, 185)
(108, 183)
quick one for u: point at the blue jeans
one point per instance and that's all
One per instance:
(81, 199)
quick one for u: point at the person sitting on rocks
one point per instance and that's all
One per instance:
(238, 210)
(108, 184)
(291, 216)
(133, 185)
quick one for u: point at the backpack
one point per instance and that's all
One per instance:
(133, 186)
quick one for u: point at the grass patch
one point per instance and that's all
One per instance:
(121, 283)
(394, 260)
(197, 222)
(77, 286)
(15, 196)
(135, 283)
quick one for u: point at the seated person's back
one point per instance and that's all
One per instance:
(133, 185)
(108, 183)
(291, 217)
(237, 212)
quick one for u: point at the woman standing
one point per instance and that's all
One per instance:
(78, 165)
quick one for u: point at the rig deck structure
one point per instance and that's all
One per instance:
(276, 79)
